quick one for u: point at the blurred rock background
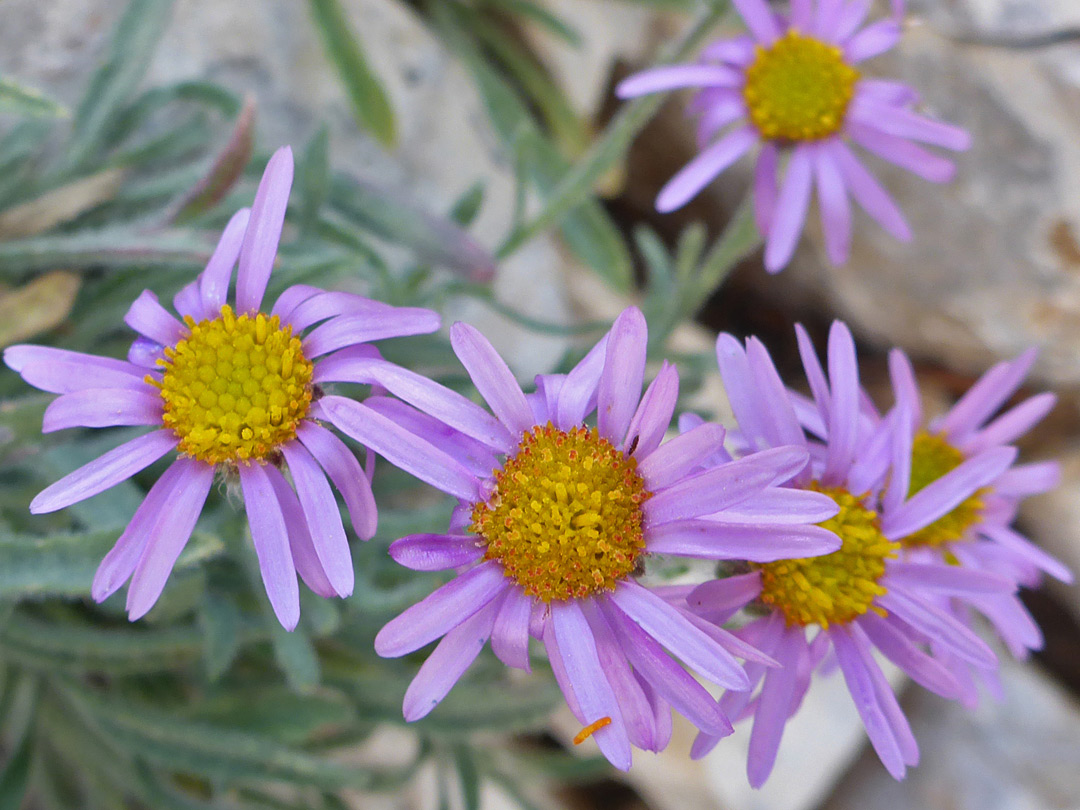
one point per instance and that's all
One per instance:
(994, 268)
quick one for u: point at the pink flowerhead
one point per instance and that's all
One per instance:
(233, 389)
(792, 86)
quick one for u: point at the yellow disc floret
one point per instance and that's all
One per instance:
(235, 389)
(931, 457)
(799, 88)
(565, 517)
(835, 588)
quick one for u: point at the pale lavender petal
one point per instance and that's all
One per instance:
(945, 579)
(325, 305)
(851, 19)
(577, 397)
(172, 526)
(685, 641)
(948, 492)
(214, 280)
(868, 192)
(261, 239)
(713, 490)
(939, 626)
(677, 77)
(872, 41)
(825, 20)
(436, 552)
(727, 109)
(802, 14)
(349, 330)
(778, 416)
(624, 370)
(742, 390)
(271, 540)
(759, 18)
(22, 356)
(149, 318)
(400, 447)
(1023, 480)
(904, 123)
(844, 405)
(896, 645)
(304, 556)
(653, 416)
(594, 694)
(887, 91)
(661, 709)
(545, 399)
(492, 378)
(441, 611)
(291, 298)
(1015, 541)
(725, 596)
(730, 641)
(902, 153)
(738, 51)
(860, 684)
(886, 699)
(104, 472)
(448, 662)
(542, 628)
(66, 376)
(902, 428)
(444, 404)
(790, 211)
(1012, 622)
(989, 393)
(815, 375)
(188, 302)
(510, 636)
(671, 681)
(345, 471)
(145, 353)
(779, 505)
(774, 708)
(766, 186)
(704, 168)
(103, 407)
(120, 562)
(677, 457)
(834, 206)
(758, 542)
(323, 517)
(1012, 424)
(905, 387)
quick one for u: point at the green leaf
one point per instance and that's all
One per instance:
(220, 622)
(133, 43)
(466, 208)
(16, 775)
(113, 249)
(19, 100)
(739, 239)
(468, 778)
(369, 100)
(537, 13)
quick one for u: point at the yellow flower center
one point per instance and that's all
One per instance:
(565, 517)
(835, 588)
(799, 88)
(235, 388)
(931, 457)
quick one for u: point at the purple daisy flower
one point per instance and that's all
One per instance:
(976, 532)
(860, 597)
(792, 86)
(554, 519)
(233, 390)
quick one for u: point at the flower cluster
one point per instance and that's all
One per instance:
(836, 528)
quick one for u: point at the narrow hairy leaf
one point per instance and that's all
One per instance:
(17, 99)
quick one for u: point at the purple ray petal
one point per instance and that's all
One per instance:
(676, 633)
(815, 375)
(703, 169)
(778, 416)
(145, 353)
(1012, 424)
(947, 492)
(323, 305)
(744, 395)
(851, 19)
(946, 579)
(774, 708)
(304, 556)
(624, 370)
(653, 416)
(291, 298)
(905, 387)
(188, 301)
(835, 207)
(67, 376)
(868, 192)
(725, 596)
(766, 186)
(1022, 480)
(720, 487)
(758, 542)
(677, 457)
(20, 357)
(895, 645)
(172, 526)
(104, 472)
(577, 397)
(448, 662)
(676, 77)
(103, 407)
(737, 51)
(441, 611)
(790, 214)
(349, 330)
(492, 378)
(903, 153)
(149, 318)
(214, 280)
(399, 447)
(345, 471)
(759, 18)
(323, 518)
(261, 239)
(904, 123)
(939, 626)
(594, 694)
(778, 505)
(874, 40)
(727, 109)
(802, 14)
(844, 407)
(826, 18)
(271, 539)
(1016, 542)
(436, 552)
(120, 562)
(510, 636)
(989, 393)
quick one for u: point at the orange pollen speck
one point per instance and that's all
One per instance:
(591, 729)
(565, 517)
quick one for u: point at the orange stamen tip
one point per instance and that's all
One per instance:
(591, 729)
